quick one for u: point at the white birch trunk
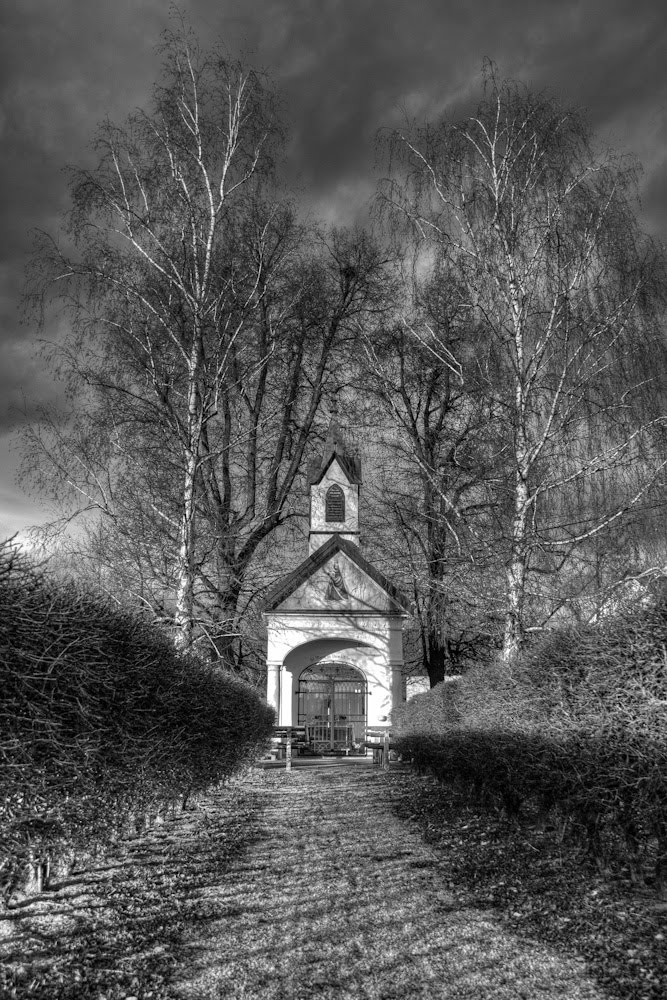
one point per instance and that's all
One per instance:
(188, 529)
(515, 577)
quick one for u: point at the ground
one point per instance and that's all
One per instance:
(279, 886)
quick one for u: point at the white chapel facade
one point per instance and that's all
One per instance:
(335, 624)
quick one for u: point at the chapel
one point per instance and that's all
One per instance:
(335, 623)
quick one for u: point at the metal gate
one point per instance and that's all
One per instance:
(332, 706)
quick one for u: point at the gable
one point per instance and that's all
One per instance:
(348, 468)
(336, 579)
(338, 585)
(334, 473)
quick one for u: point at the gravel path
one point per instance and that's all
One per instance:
(339, 898)
(278, 886)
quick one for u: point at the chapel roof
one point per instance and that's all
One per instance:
(282, 590)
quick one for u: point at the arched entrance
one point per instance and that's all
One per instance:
(332, 704)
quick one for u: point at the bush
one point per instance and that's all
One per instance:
(575, 733)
(431, 712)
(102, 724)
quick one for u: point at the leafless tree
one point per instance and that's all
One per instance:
(204, 322)
(539, 228)
(435, 493)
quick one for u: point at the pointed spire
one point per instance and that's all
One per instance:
(334, 445)
(334, 441)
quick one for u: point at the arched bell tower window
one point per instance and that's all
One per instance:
(335, 504)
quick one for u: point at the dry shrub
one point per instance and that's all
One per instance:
(102, 725)
(428, 713)
(574, 734)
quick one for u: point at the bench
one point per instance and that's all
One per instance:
(292, 736)
(381, 745)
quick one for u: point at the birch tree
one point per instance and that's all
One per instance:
(203, 321)
(539, 227)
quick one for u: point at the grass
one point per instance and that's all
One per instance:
(279, 887)
(547, 890)
(338, 898)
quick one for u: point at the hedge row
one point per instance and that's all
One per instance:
(574, 736)
(102, 724)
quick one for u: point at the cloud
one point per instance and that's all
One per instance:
(347, 69)
(655, 198)
(17, 509)
(344, 67)
(25, 385)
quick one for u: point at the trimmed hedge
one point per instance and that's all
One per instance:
(102, 724)
(575, 736)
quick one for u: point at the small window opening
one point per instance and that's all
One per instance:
(335, 504)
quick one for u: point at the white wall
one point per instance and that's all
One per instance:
(372, 644)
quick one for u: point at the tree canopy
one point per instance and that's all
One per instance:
(535, 231)
(497, 334)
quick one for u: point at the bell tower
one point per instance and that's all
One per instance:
(334, 479)
(335, 621)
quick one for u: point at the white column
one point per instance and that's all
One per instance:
(273, 687)
(286, 697)
(396, 660)
(396, 640)
(396, 684)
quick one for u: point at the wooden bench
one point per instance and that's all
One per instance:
(381, 745)
(288, 741)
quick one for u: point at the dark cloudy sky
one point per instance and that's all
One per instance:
(345, 68)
